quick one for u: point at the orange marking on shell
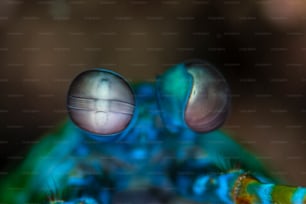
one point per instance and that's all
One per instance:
(239, 193)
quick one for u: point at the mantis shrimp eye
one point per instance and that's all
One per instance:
(100, 102)
(208, 102)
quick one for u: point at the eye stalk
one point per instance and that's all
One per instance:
(193, 95)
(100, 102)
(209, 101)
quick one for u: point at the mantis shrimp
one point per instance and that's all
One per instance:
(145, 143)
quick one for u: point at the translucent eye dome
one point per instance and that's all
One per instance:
(100, 102)
(209, 100)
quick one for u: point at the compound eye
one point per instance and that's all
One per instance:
(209, 100)
(100, 102)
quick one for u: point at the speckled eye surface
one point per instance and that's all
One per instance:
(100, 102)
(209, 101)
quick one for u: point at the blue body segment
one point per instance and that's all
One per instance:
(299, 195)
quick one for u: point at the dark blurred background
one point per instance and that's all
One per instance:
(258, 45)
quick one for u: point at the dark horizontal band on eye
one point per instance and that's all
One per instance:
(100, 105)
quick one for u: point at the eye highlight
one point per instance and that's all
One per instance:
(209, 101)
(100, 102)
